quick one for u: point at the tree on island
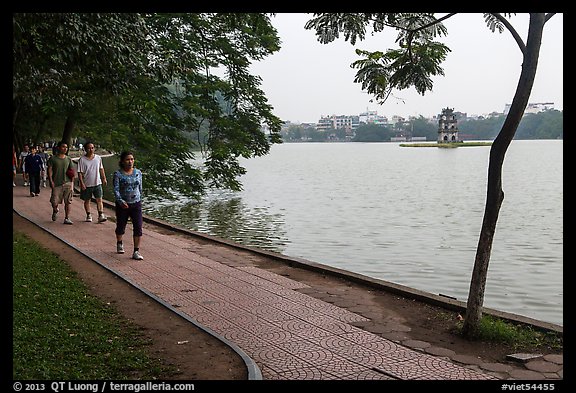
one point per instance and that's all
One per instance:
(418, 58)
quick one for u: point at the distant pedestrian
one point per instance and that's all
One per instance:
(91, 176)
(14, 165)
(128, 193)
(22, 165)
(45, 156)
(59, 166)
(34, 167)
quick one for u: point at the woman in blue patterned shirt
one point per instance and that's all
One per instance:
(128, 193)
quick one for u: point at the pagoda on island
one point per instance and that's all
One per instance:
(447, 127)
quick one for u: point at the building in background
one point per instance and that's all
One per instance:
(534, 107)
(448, 126)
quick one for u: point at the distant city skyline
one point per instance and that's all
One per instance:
(533, 107)
(306, 80)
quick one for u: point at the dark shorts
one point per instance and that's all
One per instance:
(134, 211)
(90, 192)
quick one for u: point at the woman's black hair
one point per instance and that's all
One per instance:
(123, 155)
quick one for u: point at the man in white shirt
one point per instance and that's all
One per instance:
(91, 176)
(22, 165)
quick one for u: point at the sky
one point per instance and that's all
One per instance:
(305, 80)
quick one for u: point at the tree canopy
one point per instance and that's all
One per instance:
(173, 88)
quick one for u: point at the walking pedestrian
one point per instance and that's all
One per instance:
(14, 165)
(128, 193)
(60, 166)
(34, 167)
(91, 176)
(22, 165)
(44, 155)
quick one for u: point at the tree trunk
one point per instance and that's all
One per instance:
(41, 130)
(495, 194)
(15, 135)
(15, 111)
(69, 129)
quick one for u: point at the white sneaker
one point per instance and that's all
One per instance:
(102, 217)
(68, 221)
(136, 255)
(13, 184)
(26, 184)
(43, 184)
(88, 217)
(120, 248)
(54, 214)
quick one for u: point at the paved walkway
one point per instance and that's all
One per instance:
(280, 331)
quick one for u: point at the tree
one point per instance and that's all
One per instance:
(543, 125)
(486, 129)
(162, 85)
(422, 127)
(373, 133)
(62, 59)
(417, 59)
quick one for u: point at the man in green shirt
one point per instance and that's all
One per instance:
(62, 185)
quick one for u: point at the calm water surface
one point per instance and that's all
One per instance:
(406, 215)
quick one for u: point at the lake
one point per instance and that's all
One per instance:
(411, 216)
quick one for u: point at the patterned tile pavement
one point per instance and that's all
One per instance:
(289, 335)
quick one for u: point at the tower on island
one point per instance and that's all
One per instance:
(447, 127)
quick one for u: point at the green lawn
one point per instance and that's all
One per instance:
(62, 332)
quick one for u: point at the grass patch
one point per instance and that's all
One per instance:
(62, 332)
(516, 336)
(519, 337)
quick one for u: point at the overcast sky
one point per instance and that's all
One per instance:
(306, 80)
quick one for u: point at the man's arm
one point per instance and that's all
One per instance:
(81, 180)
(50, 176)
(103, 176)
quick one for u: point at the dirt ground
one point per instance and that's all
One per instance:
(205, 358)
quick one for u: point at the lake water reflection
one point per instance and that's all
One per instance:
(406, 215)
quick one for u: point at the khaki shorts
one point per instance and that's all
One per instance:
(61, 194)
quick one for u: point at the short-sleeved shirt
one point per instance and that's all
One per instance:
(90, 169)
(23, 155)
(59, 168)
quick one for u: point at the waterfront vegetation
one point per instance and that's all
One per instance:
(520, 337)
(108, 85)
(548, 124)
(516, 336)
(62, 332)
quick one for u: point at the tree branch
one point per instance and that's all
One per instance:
(548, 16)
(512, 31)
(434, 22)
